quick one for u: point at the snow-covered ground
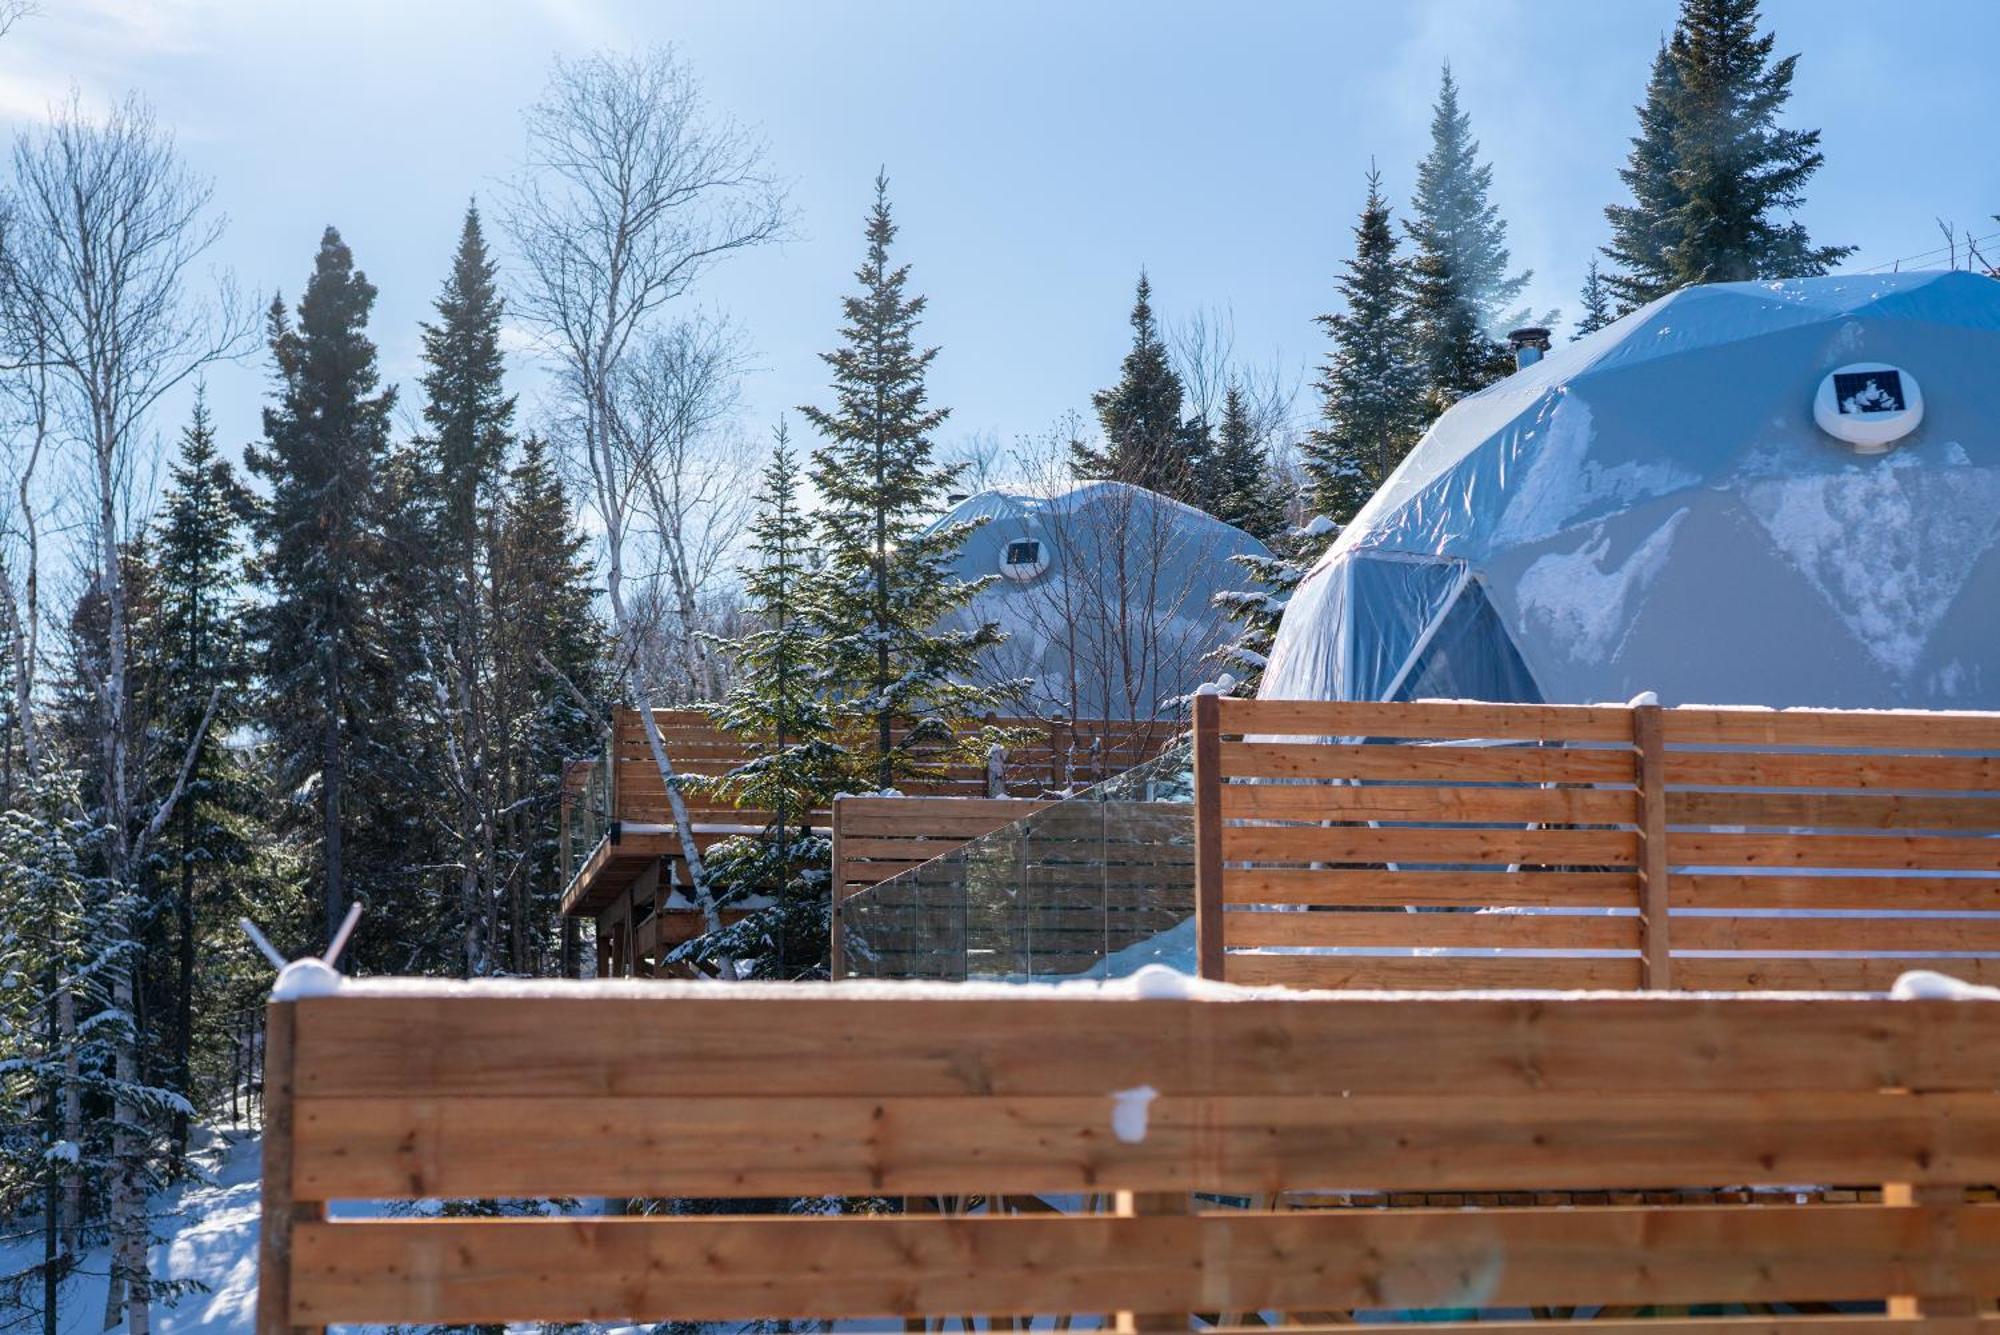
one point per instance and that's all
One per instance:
(211, 1232)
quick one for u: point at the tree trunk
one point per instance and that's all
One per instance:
(184, 985)
(332, 779)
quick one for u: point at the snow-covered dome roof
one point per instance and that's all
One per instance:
(1653, 507)
(1104, 593)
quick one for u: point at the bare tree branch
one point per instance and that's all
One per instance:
(633, 190)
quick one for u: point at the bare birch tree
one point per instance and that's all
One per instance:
(108, 227)
(632, 190)
(674, 400)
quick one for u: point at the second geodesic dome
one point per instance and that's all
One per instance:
(1105, 592)
(1656, 507)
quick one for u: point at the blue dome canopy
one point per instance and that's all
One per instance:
(1654, 508)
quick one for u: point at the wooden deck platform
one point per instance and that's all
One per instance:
(618, 828)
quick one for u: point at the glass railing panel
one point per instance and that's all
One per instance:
(1097, 885)
(589, 816)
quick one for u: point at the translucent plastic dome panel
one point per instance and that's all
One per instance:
(1656, 508)
(1359, 619)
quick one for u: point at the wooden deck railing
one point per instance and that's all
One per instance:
(1598, 846)
(1045, 755)
(622, 800)
(465, 1091)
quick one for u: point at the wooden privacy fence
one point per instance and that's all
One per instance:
(1593, 846)
(380, 1095)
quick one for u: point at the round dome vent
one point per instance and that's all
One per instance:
(1869, 405)
(1021, 559)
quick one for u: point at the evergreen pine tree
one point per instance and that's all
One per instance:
(202, 663)
(1370, 382)
(321, 560)
(1235, 474)
(795, 766)
(469, 419)
(550, 693)
(1711, 171)
(1145, 440)
(1256, 611)
(888, 578)
(55, 984)
(1596, 301)
(1459, 285)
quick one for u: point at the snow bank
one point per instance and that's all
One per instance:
(1926, 985)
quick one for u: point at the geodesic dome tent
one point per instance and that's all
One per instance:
(1782, 493)
(1104, 591)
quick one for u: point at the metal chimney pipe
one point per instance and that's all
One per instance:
(1528, 343)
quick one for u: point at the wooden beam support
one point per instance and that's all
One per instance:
(1208, 836)
(1655, 934)
(280, 1210)
(1956, 1310)
(837, 946)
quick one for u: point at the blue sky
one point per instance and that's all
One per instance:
(1040, 153)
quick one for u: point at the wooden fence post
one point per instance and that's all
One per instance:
(1949, 1312)
(1148, 1204)
(280, 1211)
(1650, 761)
(1208, 835)
(837, 951)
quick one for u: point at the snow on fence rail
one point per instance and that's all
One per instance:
(1593, 846)
(380, 1094)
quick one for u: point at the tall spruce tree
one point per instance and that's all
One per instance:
(795, 765)
(1256, 611)
(1459, 284)
(1370, 382)
(468, 416)
(551, 690)
(1595, 299)
(1145, 440)
(321, 556)
(1711, 171)
(201, 660)
(1235, 473)
(888, 580)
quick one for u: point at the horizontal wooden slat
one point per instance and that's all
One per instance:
(1492, 931)
(1783, 935)
(1320, 718)
(1358, 843)
(1724, 890)
(416, 1148)
(1430, 973)
(1884, 852)
(1410, 802)
(1821, 973)
(1834, 810)
(1656, 1325)
(1453, 889)
(1902, 730)
(722, 1269)
(682, 1039)
(1754, 769)
(902, 849)
(1421, 764)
